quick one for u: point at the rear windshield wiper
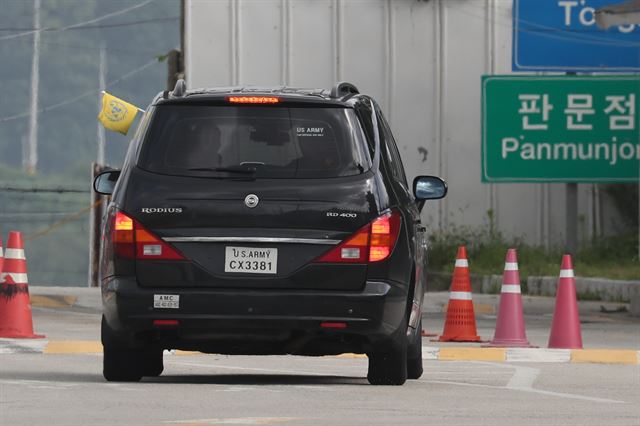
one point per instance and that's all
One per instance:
(232, 169)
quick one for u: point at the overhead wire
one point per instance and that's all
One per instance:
(82, 95)
(59, 190)
(57, 224)
(91, 27)
(80, 24)
(88, 47)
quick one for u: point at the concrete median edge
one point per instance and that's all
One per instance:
(429, 353)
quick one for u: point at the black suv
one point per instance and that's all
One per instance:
(263, 221)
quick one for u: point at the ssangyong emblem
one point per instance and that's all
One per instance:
(251, 200)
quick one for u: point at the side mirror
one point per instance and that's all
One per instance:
(106, 181)
(429, 188)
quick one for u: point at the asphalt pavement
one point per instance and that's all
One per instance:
(605, 325)
(59, 381)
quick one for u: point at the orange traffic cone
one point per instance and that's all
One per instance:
(565, 327)
(460, 325)
(15, 309)
(510, 330)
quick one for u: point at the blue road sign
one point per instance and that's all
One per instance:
(562, 35)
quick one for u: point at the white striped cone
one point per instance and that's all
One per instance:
(460, 324)
(15, 309)
(15, 262)
(510, 327)
(566, 332)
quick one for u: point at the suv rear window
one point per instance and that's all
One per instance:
(269, 142)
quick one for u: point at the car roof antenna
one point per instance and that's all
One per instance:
(180, 89)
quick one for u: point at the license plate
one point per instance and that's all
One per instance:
(251, 260)
(166, 301)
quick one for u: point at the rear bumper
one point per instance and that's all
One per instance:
(257, 321)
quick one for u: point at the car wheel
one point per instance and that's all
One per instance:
(152, 363)
(388, 365)
(120, 364)
(414, 354)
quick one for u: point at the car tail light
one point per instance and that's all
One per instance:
(338, 325)
(353, 250)
(253, 99)
(132, 241)
(384, 234)
(371, 243)
(165, 322)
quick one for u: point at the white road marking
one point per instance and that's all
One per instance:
(16, 346)
(430, 352)
(524, 377)
(267, 370)
(43, 384)
(475, 385)
(530, 390)
(39, 384)
(236, 388)
(234, 421)
(538, 355)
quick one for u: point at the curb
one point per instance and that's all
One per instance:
(52, 301)
(430, 353)
(573, 356)
(604, 289)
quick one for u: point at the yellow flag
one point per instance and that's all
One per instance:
(116, 114)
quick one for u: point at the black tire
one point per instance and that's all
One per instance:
(414, 354)
(120, 364)
(388, 364)
(153, 365)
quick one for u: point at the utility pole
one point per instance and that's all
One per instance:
(571, 214)
(183, 12)
(102, 77)
(571, 227)
(173, 68)
(30, 152)
(96, 214)
(175, 58)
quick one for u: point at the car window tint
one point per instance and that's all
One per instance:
(392, 151)
(364, 114)
(282, 142)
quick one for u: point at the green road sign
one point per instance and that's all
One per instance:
(560, 128)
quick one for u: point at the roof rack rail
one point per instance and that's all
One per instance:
(343, 88)
(180, 89)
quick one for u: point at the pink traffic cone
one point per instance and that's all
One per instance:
(565, 327)
(510, 330)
